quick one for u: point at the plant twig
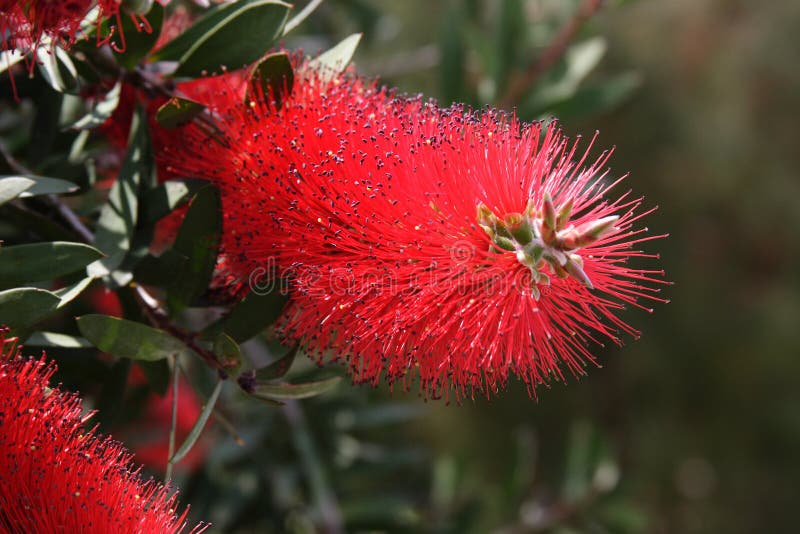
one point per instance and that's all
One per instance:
(519, 86)
(158, 318)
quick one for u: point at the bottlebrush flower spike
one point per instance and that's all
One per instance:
(439, 243)
(57, 477)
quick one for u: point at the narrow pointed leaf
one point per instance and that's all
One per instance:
(278, 368)
(55, 339)
(25, 186)
(43, 185)
(160, 270)
(101, 110)
(57, 68)
(37, 262)
(178, 111)
(250, 316)
(337, 58)
(129, 339)
(296, 391)
(12, 186)
(220, 43)
(197, 429)
(159, 202)
(69, 293)
(119, 215)
(198, 239)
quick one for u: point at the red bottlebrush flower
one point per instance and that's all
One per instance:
(57, 477)
(420, 241)
(26, 24)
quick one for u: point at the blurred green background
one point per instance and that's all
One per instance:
(701, 99)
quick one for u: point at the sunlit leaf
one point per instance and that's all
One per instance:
(336, 59)
(43, 185)
(164, 198)
(12, 186)
(118, 217)
(69, 293)
(215, 41)
(129, 339)
(101, 110)
(57, 69)
(55, 339)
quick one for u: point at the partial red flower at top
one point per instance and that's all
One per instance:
(28, 25)
(443, 244)
(56, 476)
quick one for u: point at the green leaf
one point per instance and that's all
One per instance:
(69, 293)
(223, 38)
(25, 306)
(178, 111)
(160, 201)
(337, 58)
(47, 186)
(119, 215)
(129, 339)
(180, 45)
(198, 239)
(55, 339)
(278, 368)
(37, 262)
(274, 76)
(9, 58)
(228, 354)
(254, 313)
(160, 270)
(12, 186)
(138, 42)
(57, 69)
(197, 429)
(565, 79)
(101, 110)
(295, 391)
(30, 185)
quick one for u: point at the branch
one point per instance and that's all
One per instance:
(520, 86)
